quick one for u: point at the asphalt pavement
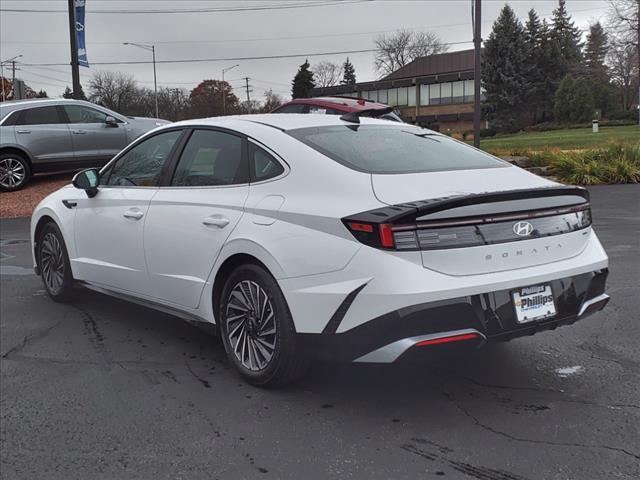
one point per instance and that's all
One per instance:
(103, 389)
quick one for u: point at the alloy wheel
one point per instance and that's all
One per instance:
(12, 172)
(251, 325)
(52, 262)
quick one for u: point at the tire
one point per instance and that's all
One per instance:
(15, 172)
(259, 336)
(53, 260)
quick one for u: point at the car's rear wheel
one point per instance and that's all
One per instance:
(53, 260)
(257, 329)
(14, 172)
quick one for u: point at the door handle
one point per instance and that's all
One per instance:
(23, 131)
(216, 221)
(69, 203)
(79, 132)
(133, 214)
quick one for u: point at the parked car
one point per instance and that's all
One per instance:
(335, 106)
(47, 135)
(300, 235)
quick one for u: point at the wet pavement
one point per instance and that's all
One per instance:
(103, 389)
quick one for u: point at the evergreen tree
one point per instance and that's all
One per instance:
(582, 107)
(534, 36)
(550, 68)
(349, 73)
(505, 73)
(567, 36)
(573, 101)
(303, 82)
(595, 69)
(562, 100)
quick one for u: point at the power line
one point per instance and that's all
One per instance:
(284, 6)
(229, 59)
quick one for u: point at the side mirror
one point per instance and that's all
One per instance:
(88, 181)
(111, 121)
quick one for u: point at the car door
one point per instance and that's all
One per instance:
(190, 219)
(95, 142)
(44, 134)
(109, 227)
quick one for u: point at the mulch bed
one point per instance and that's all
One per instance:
(22, 202)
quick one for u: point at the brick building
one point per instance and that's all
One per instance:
(434, 91)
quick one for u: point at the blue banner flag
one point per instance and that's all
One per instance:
(82, 46)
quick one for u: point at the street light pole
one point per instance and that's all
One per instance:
(152, 49)
(224, 92)
(477, 41)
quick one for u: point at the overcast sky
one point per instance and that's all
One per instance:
(43, 37)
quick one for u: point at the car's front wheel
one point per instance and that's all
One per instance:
(257, 329)
(14, 172)
(53, 260)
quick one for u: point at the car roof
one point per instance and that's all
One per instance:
(346, 104)
(280, 121)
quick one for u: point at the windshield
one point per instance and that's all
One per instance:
(393, 149)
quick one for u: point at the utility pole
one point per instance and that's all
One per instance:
(246, 79)
(11, 60)
(73, 42)
(477, 42)
(224, 91)
(638, 39)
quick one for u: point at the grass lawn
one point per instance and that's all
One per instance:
(570, 139)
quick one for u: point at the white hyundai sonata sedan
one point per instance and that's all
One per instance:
(317, 235)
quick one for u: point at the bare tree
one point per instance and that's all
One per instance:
(326, 74)
(271, 101)
(623, 20)
(396, 50)
(115, 90)
(622, 65)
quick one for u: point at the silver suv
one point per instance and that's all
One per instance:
(38, 136)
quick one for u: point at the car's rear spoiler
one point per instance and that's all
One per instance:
(408, 212)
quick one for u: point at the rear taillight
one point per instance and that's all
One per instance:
(378, 235)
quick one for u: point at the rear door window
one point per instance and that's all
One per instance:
(39, 116)
(211, 158)
(393, 149)
(293, 108)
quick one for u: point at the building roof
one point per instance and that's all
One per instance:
(435, 65)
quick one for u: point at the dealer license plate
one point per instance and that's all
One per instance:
(533, 303)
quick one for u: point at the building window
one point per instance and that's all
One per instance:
(424, 94)
(382, 96)
(371, 95)
(468, 90)
(392, 97)
(402, 96)
(434, 94)
(445, 93)
(411, 96)
(458, 92)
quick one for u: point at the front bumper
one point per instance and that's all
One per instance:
(477, 319)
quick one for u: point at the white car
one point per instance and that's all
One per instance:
(305, 235)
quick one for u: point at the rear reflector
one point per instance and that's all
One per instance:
(451, 339)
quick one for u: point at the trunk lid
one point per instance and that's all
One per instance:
(481, 221)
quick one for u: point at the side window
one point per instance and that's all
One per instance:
(293, 108)
(263, 165)
(142, 165)
(81, 114)
(211, 158)
(317, 109)
(39, 116)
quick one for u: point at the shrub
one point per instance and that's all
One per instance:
(488, 132)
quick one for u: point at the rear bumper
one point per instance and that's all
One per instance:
(471, 321)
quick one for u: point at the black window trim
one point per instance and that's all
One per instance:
(165, 167)
(177, 154)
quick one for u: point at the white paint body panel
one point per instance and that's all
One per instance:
(293, 226)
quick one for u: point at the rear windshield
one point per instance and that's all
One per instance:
(393, 149)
